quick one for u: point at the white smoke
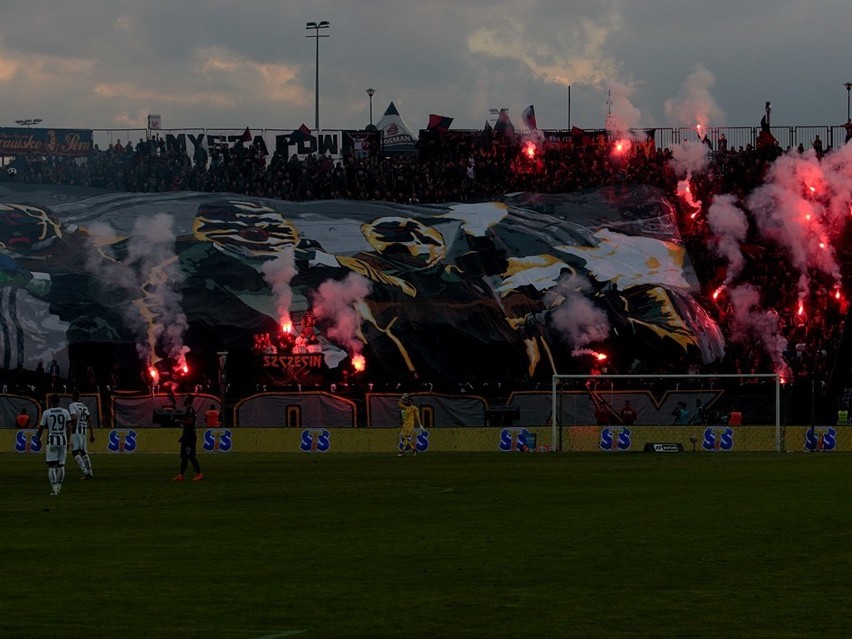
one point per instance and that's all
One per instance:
(334, 304)
(750, 321)
(689, 157)
(149, 273)
(623, 115)
(694, 103)
(278, 273)
(574, 315)
(729, 227)
(797, 208)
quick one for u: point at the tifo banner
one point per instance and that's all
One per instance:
(31, 141)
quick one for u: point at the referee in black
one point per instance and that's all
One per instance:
(188, 440)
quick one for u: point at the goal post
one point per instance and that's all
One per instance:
(721, 412)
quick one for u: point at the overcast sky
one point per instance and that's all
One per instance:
(230, 64)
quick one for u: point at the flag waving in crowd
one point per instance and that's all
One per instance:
(528, 117)
(439, 123)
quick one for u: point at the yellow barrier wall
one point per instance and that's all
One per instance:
(716, 439)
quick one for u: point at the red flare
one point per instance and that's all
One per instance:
(154, 373)
(801, 308)
(286, 325)
(359, 363)
(600, 356)
(529, 150)
(717, 292)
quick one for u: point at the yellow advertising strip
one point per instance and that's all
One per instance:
(615, 439)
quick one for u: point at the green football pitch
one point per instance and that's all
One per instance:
(438, 546)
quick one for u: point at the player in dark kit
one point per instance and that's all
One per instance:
(188, 440)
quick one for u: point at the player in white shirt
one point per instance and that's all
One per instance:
(57, 421)
(81, 425)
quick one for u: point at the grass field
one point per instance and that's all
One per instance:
(441, 546)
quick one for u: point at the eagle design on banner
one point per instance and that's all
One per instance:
(511, 291)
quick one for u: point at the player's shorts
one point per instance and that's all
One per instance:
(79, 442)
(407, 432)
(187, 452)
(55, 453)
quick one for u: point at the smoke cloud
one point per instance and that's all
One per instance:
(150, 275)
(334, 304)
(278, 273)
(574, 315)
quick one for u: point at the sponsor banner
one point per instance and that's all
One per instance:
(26, 442)
(718, 439)
(318, 440)
(31, 141)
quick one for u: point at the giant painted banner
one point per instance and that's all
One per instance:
(500, 292)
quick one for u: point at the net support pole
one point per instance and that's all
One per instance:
(554, 422)
(778, 413)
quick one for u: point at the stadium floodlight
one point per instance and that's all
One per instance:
(316, 26)
(371, 92)
(848, 86)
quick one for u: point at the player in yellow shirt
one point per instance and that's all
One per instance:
(410, 415)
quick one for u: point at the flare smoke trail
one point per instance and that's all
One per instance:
(334, 304)
(574, 315)
(729, 227)
(695, 103)
(750, 321)
(150, 274)
(278, 273)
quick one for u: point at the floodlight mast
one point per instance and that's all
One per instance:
(316, 26)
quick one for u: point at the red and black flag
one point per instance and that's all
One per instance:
(528, 117)
(439, 123)
(300, 135)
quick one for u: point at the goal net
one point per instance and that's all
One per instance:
(714, 413)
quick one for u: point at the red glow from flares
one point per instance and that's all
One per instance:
(600, 356)
(286, 325)
(801, 310)
(529, 150)
(822, 245)
(808, 217)
(717, 292)
(837, 294)
(155, 375)
(812, 189)
(359, 363)
(184, 369)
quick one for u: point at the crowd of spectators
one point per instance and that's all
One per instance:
(460, 167)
